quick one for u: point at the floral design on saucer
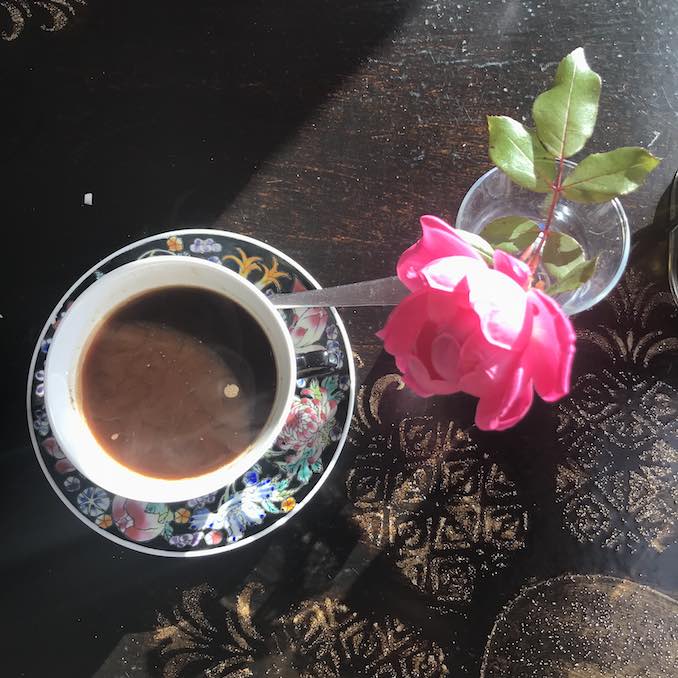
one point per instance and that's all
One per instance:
(283, 480)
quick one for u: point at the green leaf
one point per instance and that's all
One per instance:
(155, 508)
(269, 506)
(478, 243)
(565, 115)
(576, 277)
(314, 388)
(511, 234)
(517, 152)
(603, 176)
(304, 474)
(562, 254)
(564, 261)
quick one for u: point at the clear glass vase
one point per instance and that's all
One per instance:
(602, 229)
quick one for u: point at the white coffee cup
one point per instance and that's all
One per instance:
(84, 317)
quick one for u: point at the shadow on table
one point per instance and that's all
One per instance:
(164, 110)
(161, 110)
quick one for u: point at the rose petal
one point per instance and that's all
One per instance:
(550, 352)
(501, 305)
(513, 268)
(412, 383)
(445, 352)
(403, 324)
(438, 239)
(418, 378)
(427, 334)
(401, 363)
(451, 308)
(447, 273)
(482, 365)
(506, 405)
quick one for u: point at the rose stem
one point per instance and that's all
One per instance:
(538, 248)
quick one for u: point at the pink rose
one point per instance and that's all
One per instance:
(468, 327)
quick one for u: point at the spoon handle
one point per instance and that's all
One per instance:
(381, 292)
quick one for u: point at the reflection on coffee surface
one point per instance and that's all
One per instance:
(177, 382)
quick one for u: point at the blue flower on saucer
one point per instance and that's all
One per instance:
(206, 246)
(93, 501)
(251, 478)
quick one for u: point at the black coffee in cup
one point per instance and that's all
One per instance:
(177, 382)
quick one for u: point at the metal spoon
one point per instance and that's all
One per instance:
(381, 292)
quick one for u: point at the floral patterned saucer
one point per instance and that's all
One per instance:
(273, 490)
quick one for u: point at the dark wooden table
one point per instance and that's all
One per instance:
(326, 129)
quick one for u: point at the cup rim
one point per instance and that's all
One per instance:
(138, 486)
(625, 231)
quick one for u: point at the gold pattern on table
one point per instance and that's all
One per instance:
(585, 626)
(52, 15)
(316, 639)
(423, 493)
(618, 483)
